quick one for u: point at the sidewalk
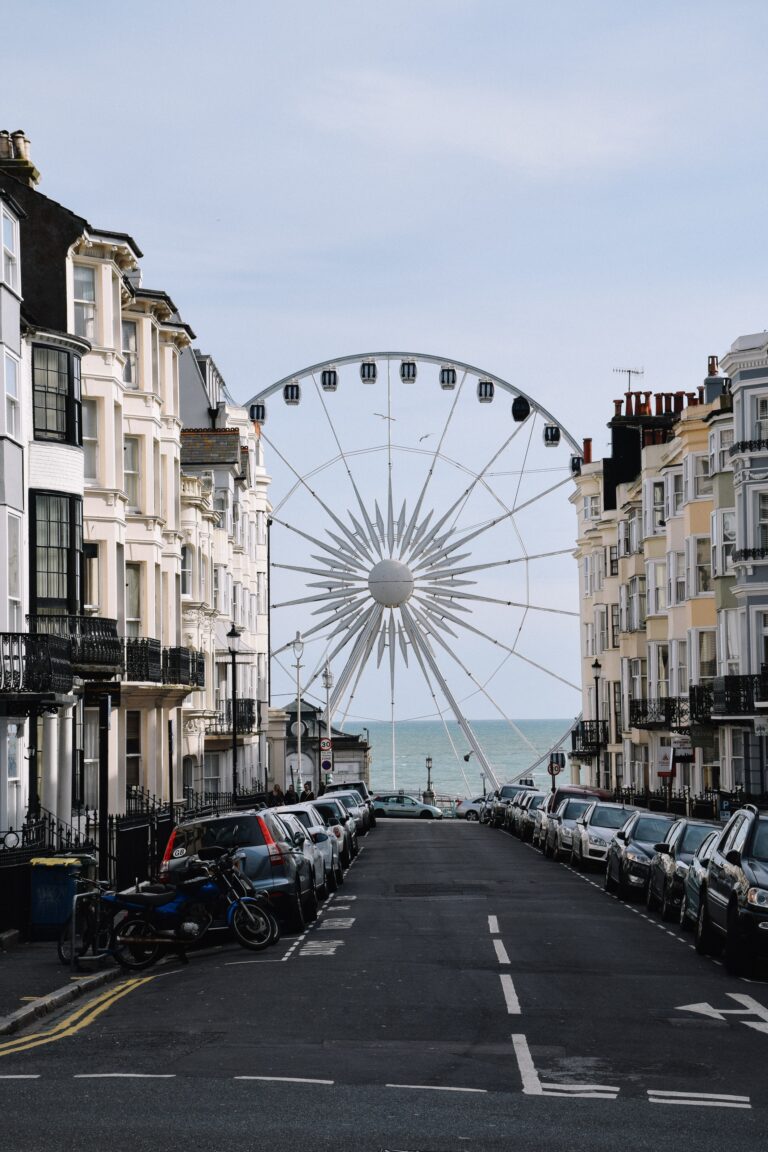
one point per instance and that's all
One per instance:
(34, 982)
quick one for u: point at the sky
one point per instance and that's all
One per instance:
(545, 189)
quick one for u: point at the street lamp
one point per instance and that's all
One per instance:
(298, 650)
(327, 684)
(596, 670)
(234, 640)
(429, 795)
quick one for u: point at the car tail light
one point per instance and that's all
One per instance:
(276, 854)
(165, 862)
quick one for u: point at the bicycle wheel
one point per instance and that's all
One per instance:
(251, 925)
(133, 945)
(80, 936)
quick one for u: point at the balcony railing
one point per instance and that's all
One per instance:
(34, 664)
(588, 737)
(245, 716)
(738, 695)
(666, 712)
(96, 647)
(700, 703)
(743, 446)
(143, 659)
(750, 554)
(197, 672)
(177, 666)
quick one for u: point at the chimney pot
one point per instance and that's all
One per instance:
(5, 145)
(713, 366)
(617, 404)
(20, 144)
(679, 401)
(659, 401)
(587, 449)
(628, 404)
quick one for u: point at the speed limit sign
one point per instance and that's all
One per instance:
(554, 769)
(325, 745)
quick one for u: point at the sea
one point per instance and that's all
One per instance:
(510, 750)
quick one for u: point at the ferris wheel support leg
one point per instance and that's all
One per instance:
(460, 718)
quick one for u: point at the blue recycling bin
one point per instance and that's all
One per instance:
(53, 885)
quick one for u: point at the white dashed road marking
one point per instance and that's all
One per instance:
(493, 925)
(698, 1099)
(501, 952)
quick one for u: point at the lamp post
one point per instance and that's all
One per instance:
(233, 642)
(327, 684)
(429, 796)
(298, 650)
(596, 670)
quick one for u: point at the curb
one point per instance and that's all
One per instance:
(54, 1000)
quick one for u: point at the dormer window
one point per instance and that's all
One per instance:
(85, 301)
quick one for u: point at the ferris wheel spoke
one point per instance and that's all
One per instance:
(435, 456)
(333, 552)
(418, 641)
(508, 603)
(359, 654)
(437, 599)
(339, 571)
(442, 573)
(432, 621)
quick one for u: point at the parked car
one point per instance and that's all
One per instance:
(528, 815)
(694, 878)
(515, 809)
(398, 804)
(558, 838)
(733, 908)
(594, 830)
(359, 786)
(356, 807)
(554, 799)
(629, 855)
(470, 809)
(339, 821)
(670, 863)
(326, 843)
(504, 796)
(271, 860)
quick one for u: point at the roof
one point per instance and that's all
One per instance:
(744, 343)
(208, 446)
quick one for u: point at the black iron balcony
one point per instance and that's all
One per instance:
(700, 703)
(245, 718)
(743, 446)
(666, 712)
(198, 669)
(738, 695)
(750, 554)
(34, 664)
(96, 648)
(143, 659)
(177, 666)
(589, 737)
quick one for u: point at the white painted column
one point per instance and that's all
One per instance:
(50, 751)
(66, 747)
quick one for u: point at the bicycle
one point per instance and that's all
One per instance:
(92, 926)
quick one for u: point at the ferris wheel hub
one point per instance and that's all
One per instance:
(390, 583)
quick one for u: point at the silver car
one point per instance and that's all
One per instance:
(323, 839)
(398, 804)
(467, 809)
(341, 824)
(558, 839)
(594, 830)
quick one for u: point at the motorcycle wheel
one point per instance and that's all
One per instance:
(252, 926)
(129, 946)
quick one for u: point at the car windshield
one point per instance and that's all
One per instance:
(693, 836)
(235, 832)
(574, 808)
(607, 817)
(302, 816)
(760, 846)
(348, 801)
(649, 829)
(329, 812)
(537, 801)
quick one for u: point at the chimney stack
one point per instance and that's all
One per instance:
(587, 450)
(715, 384)
(15, 158)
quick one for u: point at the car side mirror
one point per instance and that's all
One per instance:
(663, 848)
(621, 836)
(733, 857)
(319, 837)
(298, 839)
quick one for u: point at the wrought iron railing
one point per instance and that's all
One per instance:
(700, 703)
(245, 718)
(143, 659)
(588, 737)
(750, 554)
(197, 673)
(177, 666)
(38, 664)
(738, 695)
(95, 643)
(748, 446)
(666, 712)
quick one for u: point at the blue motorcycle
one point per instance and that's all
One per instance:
(168, 918)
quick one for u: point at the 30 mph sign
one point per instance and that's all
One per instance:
(325, 745)
(554, 769)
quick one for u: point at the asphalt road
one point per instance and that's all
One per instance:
(459, 992)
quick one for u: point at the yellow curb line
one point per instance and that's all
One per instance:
(76, 1021)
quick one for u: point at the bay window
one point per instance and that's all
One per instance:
(56, 394)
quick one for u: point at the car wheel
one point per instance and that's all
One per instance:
(607, 880)
(340, 874)
(667, 907)
(311, 904)
(650, 898)
(575, 859)
(426, 816)
(622, 888)
(324, 889)
(736, 956)
(331, 880)
(472, 817)
(548, 850)
(704, 938)
(379, 812)
(684, 912)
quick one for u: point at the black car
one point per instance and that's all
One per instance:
(628, 861)
(670, 864)
(504, 796)
(733, 908)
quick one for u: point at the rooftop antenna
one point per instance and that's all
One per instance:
(629, 373)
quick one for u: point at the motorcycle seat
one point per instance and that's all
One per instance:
(149, 899)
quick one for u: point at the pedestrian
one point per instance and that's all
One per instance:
(276, 796)
(307, 793)
(290, 795)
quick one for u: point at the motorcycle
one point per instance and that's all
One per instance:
(161, 918)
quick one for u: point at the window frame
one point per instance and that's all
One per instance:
(12, 366)
(67, 426)
(9, 254)
(85, 310)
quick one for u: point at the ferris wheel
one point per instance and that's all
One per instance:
(421, 542)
